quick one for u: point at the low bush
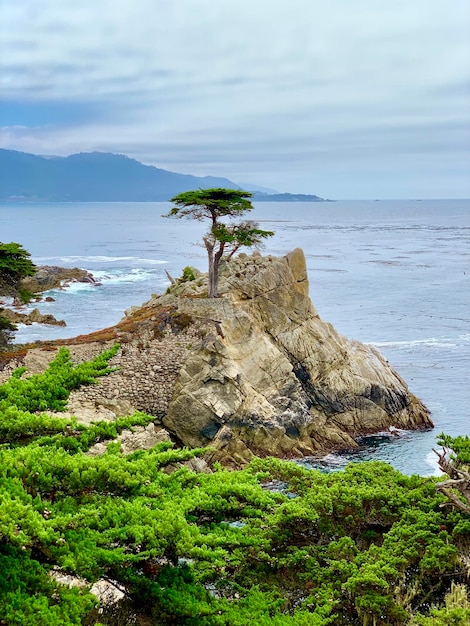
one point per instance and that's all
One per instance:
(365, 546)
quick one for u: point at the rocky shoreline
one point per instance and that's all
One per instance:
(253, 372)
(46, 278)
(34, 316)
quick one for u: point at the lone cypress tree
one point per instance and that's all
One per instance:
(214, 204)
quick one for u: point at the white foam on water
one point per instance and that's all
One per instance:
(110, 277)
(334, 459)
(97, 259)
(75, 287)
(431, 460)
(130, 276)
(431, 342)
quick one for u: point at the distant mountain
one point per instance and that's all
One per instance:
(93, 176)
(105, 177)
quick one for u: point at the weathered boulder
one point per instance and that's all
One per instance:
(139, 438)
(270, 377)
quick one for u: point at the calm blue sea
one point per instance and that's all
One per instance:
(391, 273)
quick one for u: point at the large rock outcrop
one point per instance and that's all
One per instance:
(271, 377)
(255, 371)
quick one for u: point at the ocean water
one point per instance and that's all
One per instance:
(394, 274)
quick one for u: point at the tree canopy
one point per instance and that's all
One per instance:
(15, 264)
(214, 204)
(201, 204)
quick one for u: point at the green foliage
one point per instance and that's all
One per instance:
(459, 445)
(212, 204)
(51, 389)
(455, 612)
(6, 331)
(454, 460)
(24, 295)
(15, 263)
(243, 234)
(361, 547)
(187, 275)
(29, 596)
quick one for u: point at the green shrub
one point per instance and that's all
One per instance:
(360, 547)
(187, 275)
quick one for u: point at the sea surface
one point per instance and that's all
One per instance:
(394, 274)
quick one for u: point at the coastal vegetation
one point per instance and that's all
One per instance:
(15, 264)
(214, 204)
(273, 543)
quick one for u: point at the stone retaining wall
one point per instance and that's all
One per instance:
(147, 371)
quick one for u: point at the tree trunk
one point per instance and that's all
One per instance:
(213, 278)
(214, 261)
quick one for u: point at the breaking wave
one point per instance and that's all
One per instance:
(97, 259)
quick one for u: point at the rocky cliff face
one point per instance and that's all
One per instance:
(255, 371)
(271, 377)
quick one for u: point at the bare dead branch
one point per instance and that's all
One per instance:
(170, 277)
(459, 481)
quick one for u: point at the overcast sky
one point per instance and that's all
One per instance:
(341, 98)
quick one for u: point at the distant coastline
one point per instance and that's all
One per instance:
(265, 197)
(106, 177)
(288, 197)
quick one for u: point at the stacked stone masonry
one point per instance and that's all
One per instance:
(147, 371)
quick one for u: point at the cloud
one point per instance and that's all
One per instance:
(240, 88)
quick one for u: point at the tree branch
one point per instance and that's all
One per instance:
(170, 277)
(459, 481)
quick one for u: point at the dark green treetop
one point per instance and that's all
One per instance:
(15, 263)
(212, 204)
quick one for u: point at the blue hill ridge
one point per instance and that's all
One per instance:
(100, 177)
